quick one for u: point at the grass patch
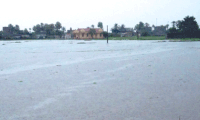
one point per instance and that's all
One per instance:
(81, 43)
(20, 81)
(152, 38)
(17, 42)
(135, 38)
(184, 39)
(94, 83)
(3, 44)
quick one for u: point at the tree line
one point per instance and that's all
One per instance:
(186, 28)
(49, 29)
(140, 27)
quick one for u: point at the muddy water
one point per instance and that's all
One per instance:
(129, 80)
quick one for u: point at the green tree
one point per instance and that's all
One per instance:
(63, 29)
(17, 29)
(145, 33)
(139, 26)
(42, 26)
(26, 31)
(116, 28)
(92, 26)
(58, 25)
(37, 28)
(173, 30)
(12, 29)
(100, 25)
(122, 27)
(1, 33)
(173, 24)
(188, 26)
(59, 33)
(49, 29)
(21, 32)
(92, 32)
(167, 26)
(105, 34)
(147, 25)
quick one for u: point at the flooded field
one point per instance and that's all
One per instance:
(93, 80)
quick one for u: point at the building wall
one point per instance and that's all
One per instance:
(87, 36)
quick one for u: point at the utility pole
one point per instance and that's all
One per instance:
(107, 33)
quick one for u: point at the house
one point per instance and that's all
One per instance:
(57, 36)
(159, 31)
(7, 35)
(123, 32)
(41, 35)
(127, 32)
(83, 33)
(6, 30)
(68, 36)
(17, 36)
(25, 36)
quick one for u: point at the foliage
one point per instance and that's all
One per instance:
(63, 29)
(50, 29)
(59, 33)
(147, 25)
(1, 34)
(92, 26)
(16, 29)
(186, 28)
(58, 25)
(42, 26)
(139, 26)
(115, 29)
(105, 34)
(37, 28)
(122, 27)
(167, 26)
(100, 25)
(92, 32)
(26, 31)
(12, 29)
(173, 24)
(135, 38)
(143, 28)
(145, 33)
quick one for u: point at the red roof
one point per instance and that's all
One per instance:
(88, 29)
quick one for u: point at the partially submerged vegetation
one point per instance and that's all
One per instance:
(140, 38)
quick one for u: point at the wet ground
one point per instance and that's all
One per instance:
(93, 80)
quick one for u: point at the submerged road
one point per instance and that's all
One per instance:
(92, 80)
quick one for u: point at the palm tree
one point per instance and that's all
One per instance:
(147, 25)
(173, 24)
(167, 26)
(116, 26)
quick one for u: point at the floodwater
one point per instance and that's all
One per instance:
(93, 80)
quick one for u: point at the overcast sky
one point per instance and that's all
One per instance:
(84, 13)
